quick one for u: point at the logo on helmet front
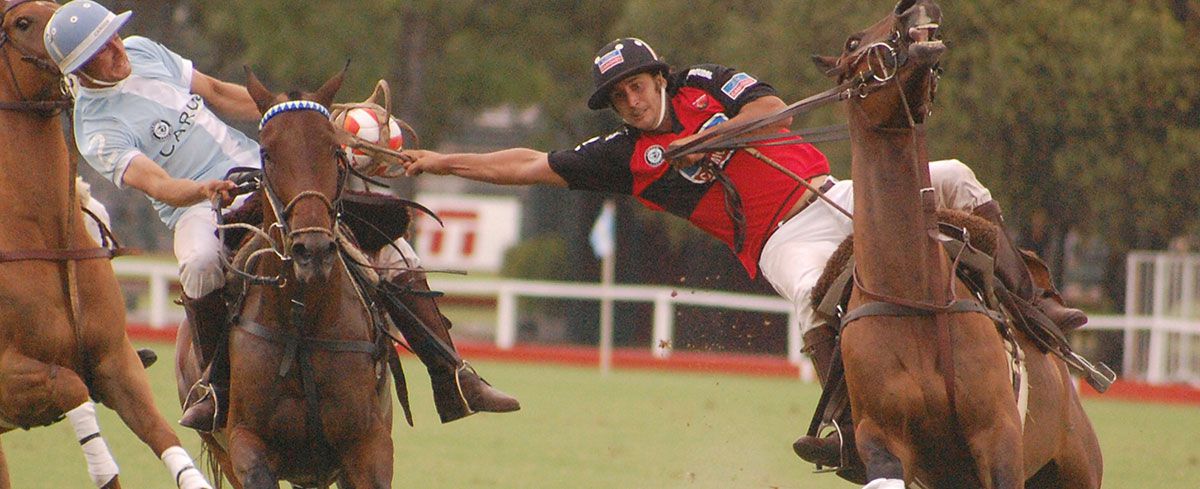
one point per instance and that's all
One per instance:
(610, 60)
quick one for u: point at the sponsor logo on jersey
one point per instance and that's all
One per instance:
(654, 156)
(609, 60)
(701, 102)
(161, 129)
(700, 72)
(738, 85)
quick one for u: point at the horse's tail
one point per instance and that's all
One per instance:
(212, 463)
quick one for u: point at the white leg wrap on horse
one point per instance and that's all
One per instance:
(101, 466)
(885, 484)
(183, 469)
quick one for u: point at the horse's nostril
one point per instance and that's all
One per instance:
(300, 250)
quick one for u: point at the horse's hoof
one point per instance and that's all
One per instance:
(147, 356)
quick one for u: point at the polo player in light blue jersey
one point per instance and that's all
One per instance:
(144, 118)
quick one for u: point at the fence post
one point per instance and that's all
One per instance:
(1156, 363)
(158, 300)
(664, 325)
(506, 318)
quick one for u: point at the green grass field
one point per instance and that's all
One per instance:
(631, 429)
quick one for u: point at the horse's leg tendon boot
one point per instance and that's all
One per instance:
(208, 317)
(1012, 270)
(457, 390)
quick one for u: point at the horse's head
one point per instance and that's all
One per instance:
(895, 64)
(303, 168)
(28, 74)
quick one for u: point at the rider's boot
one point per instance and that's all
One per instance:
(1013, 271)
(457, 390)
(820, 343)
(208, 317)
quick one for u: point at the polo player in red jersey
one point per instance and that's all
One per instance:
(771, 222)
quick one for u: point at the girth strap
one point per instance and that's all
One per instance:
(889, 309)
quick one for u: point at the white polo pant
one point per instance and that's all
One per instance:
(796, 254)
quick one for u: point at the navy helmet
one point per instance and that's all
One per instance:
(618, 60)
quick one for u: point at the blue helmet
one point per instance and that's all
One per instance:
(78, 31)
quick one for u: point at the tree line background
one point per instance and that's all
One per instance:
(1081, 116)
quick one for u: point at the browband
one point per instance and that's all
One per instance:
(289, 106)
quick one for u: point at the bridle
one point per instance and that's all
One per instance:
(282, 211)
(44, 106)
(884, 61)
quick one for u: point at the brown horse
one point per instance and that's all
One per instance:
(62, 327)
(929, 386)
(308, 395)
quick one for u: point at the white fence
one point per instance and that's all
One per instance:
(161, 275)
(1161, 329)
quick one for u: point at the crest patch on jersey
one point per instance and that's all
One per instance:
(161, 129)
(738, 85)
(654, 156)
(609, 60)
(701, 102)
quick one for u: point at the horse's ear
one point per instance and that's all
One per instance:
(325, 94)
(827, 64)
(263, 98)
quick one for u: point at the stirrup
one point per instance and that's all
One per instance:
(206, 391)
(837, 429)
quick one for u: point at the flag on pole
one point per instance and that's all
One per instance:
(603, 231)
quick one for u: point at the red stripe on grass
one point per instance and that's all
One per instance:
(734, 363)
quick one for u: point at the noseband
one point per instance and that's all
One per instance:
(46, 108)
(283, 212)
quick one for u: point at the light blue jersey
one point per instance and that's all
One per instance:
(154, 113)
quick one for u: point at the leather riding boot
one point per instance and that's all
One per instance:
(820, 343)
(1012, 270)
(458, 391)
(208, 318)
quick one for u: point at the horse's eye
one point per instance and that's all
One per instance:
(852, 43)
(24, 24)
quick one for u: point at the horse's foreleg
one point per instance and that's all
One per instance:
(369, 465)
(122, 383)
(35, 393)
(999, 463)
(250, 464)
(1081, 466)
(885, 470)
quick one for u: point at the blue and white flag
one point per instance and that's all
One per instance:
(603, 232)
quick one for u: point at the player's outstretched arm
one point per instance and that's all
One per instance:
(516, 166)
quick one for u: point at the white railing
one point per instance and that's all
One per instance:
(1166, 357)
(161, 274)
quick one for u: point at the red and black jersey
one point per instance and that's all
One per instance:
(631, 162)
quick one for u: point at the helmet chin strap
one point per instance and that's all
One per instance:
(99, 83)
(662, 107)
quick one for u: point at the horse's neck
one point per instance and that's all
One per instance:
(34, 180)
(893, 250)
